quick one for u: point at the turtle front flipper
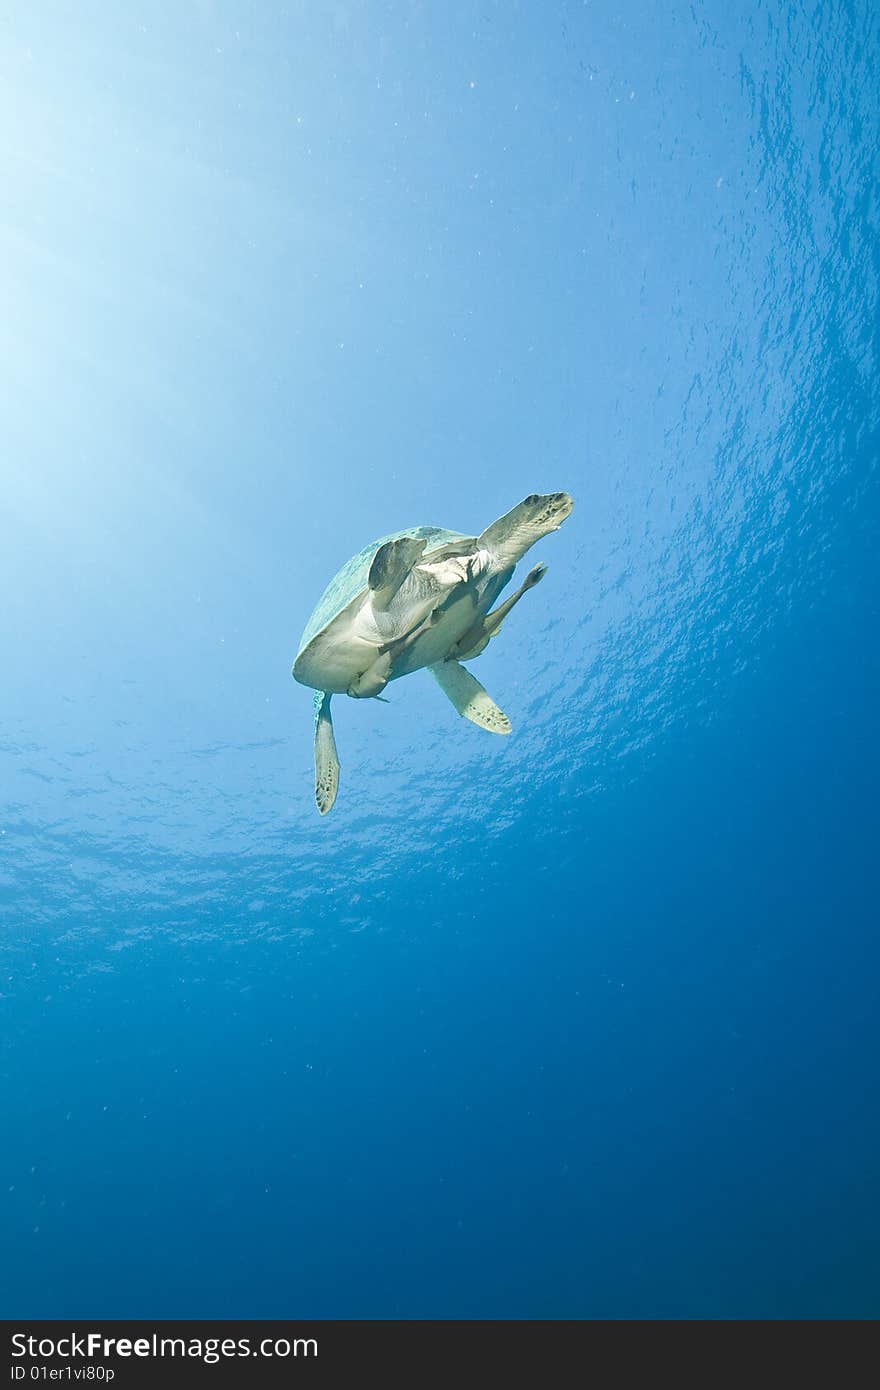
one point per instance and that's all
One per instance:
(391, 565)
(469, 697)
(477, 638)
(326, 757)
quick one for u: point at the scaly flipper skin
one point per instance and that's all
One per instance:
(326, 757)
(476, 639)
(391, 566)
(471, 700)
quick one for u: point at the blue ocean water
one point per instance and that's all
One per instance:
(578, 1023)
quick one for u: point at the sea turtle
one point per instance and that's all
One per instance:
(417, 598)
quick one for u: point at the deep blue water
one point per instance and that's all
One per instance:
(577, 1023)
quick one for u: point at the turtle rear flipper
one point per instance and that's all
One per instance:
(471, 700)
(326, 757)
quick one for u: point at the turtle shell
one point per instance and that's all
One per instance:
(351, 580)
